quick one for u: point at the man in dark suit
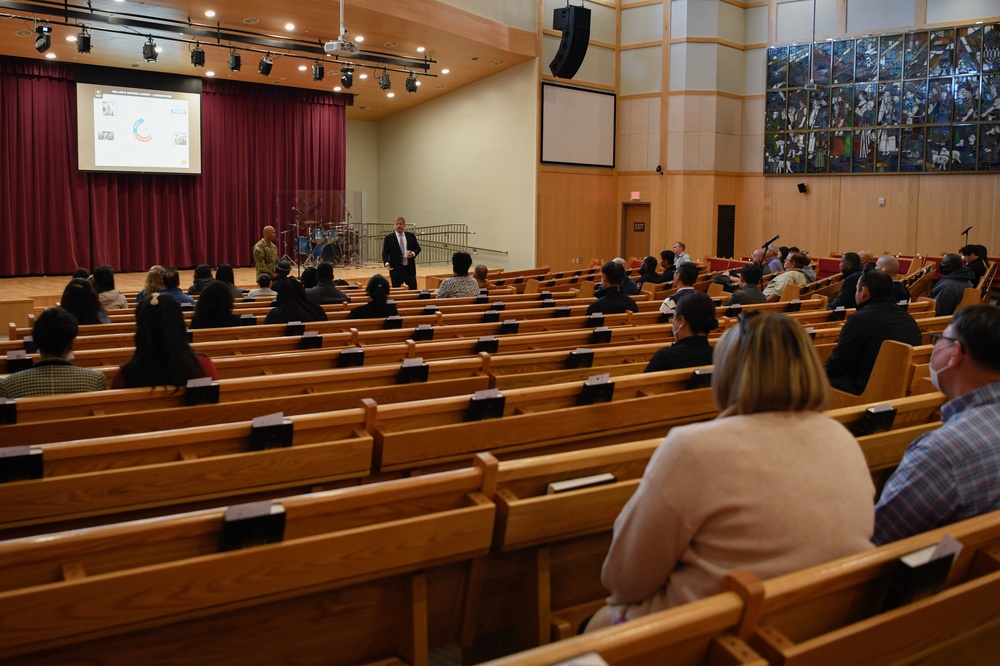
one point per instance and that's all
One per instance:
(399, 253)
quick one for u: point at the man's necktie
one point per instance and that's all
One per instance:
(402, 248)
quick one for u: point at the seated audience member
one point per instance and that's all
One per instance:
(153, 283)
(460, 284)
(612, 300)
(80, 273)
(774, 263)
(214, 308)
(378, 306)
(263, 289)
(693, 320)
(867, 259)
(757, 258)
(202, 276)
(309, 278)
(667, 267)
(808, 269)
(481, 273)
(713, 499)
(783, 252)
(680, 254)
(54, 332)
(172, 287)
(791, 275)
(162, 355)
(877, 319)
(292, 305)
(889, 265)
(952, 473)
(325, 290)
(850, 267)
(224, 273)
(80, 300)
(647, 272)
(974, 257)
(281, 271)
(104, 284)
(949, 290)
(687, 275)
(749, 292)
(629, 285)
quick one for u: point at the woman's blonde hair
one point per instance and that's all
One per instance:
(154, 280)
(768, 364)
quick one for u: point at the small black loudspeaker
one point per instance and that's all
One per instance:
(574, 22)
(802, 188)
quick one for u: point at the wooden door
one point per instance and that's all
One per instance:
(635, 230)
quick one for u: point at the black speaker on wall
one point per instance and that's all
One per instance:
(574, 22)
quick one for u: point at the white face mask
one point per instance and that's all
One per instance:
(934, 378)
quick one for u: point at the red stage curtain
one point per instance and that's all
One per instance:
(260, 146)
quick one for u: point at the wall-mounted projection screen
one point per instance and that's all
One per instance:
(578, 126)
(126, 128)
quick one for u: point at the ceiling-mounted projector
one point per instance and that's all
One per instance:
(340, 46)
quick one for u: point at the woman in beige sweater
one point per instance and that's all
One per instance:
(772, 485)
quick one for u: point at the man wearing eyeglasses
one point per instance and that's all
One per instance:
(877, 319)
(952, 473)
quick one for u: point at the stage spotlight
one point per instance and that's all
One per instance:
(264, 66)
(411, 83)
(149, 53)
(318, 71)
(235, 61)
(198, 55)
(347, 76)
(43, 38)
(383, 80)
(83, 41)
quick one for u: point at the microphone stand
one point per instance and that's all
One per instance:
(966, 234)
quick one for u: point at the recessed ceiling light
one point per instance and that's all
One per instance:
(362, 76)
(445, 71)
(302, 68)
(251, 21)
(336, 89)
(70, 38)
(50, 55)
(159, 49)
(209, 13)
(362, 108)
(418, 82)
(391, 45)
(209, 73)
(289, 27)
(496, 63)
(420, 49)
(392, 94)
(24, 33)
(359, 39)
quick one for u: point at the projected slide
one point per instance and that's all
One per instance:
(130, 129)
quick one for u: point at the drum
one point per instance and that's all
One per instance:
(318, 236)
(303, 244)
(329, 253)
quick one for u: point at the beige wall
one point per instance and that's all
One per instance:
(468, 158)
(362, 169)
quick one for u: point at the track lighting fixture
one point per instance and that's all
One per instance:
(318, 71)
(198, 55)
(43, 38)
(264, 66)
(235, 61)
(347, 76)
(149, 53)
(411, 83)
(383, 80)
(83, 41)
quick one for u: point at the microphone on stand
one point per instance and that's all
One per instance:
(967, 230)
(768, 242)
(297, 211)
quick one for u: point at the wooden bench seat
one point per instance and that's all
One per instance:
(362, 575)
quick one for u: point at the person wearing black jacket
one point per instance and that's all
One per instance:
(850, 266)
(692, 321)
(612, 300)
(949, 290)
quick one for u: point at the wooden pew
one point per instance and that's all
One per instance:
(381, 568)
(831, 613)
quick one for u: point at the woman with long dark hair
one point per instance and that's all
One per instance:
(162, 355)
(378, 305)
(214, 308)
(80, 300)
(292, 305)
(202, 276)
(104, 284)
(224, 273)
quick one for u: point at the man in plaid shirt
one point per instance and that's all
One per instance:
(953, 472)
(54, 333)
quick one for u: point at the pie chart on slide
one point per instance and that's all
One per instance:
(135, 131)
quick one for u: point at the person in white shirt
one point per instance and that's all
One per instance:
(687, 275)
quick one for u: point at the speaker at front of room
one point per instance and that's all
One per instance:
(574, 22)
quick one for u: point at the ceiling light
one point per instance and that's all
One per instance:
(359, 39)
(347, 76)
(209, 13)
(318, 71)
(149, 53)
(336, 89)
(362, 76)
(445, 71)
(43, 38)
(235, 61)
(209, 73)
(420, 49)
(83, 41)
(383, 80)
(411, 83)
(302, 68)
(392, 94)
(264, 66)
(289, 27)
(50, 56)
(198, 55)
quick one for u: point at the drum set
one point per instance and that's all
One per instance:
(334, 244)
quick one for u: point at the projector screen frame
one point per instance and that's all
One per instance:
(610, 117)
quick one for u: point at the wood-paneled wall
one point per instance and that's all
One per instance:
(577, 218)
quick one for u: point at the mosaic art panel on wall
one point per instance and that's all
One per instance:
(919, 102)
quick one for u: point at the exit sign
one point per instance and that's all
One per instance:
(638, 226)
(635, 196)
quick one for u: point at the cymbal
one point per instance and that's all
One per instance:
(311, 223)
